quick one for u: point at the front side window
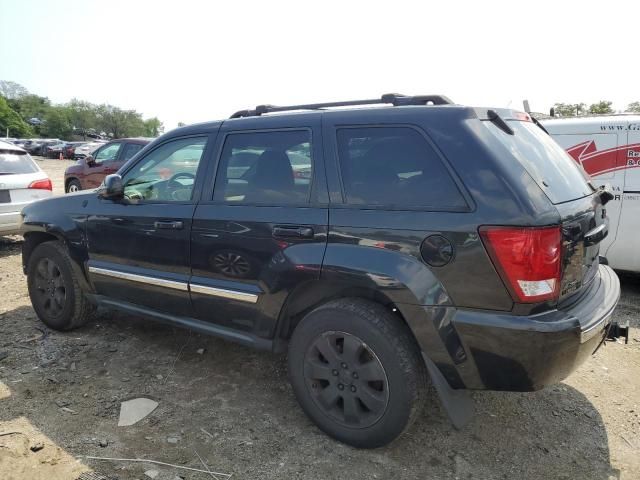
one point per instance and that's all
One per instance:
(108, 153)
(394, 167)
(265, 168)
(130, 149)
(166, 174)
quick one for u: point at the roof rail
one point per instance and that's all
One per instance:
(395, 99)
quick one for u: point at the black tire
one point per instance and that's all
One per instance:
(375, 335)
(55, 294)
(74, 186)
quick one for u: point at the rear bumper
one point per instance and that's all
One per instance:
(10, 223)
(517, 353)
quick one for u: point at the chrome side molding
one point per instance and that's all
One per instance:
(176, 285)
(224, 293)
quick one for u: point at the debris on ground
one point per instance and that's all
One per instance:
(132, 411)
(36, 447)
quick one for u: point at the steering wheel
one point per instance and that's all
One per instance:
(172, 183)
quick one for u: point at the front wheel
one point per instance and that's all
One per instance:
(357, 372)
(55, 294)
(73, 186)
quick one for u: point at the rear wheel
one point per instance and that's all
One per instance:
(357, 372)
(55, 294)
(73, 186)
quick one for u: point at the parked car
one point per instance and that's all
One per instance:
(608, 148)
(89, 171)
(70, 149)
(38, 147)
(21, 183)
(86, 149)
(428, 240)
(54, 150)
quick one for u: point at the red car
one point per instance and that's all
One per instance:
(89, 172)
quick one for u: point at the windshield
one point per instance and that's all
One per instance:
(555, 172)
(15, 163)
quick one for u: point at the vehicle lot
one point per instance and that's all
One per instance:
(234, 407)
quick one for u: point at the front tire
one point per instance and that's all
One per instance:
(74, 186)
(357, 372)
(55, 294)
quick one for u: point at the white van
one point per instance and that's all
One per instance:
(608, 148)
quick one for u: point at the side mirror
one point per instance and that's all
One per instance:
(112, 188)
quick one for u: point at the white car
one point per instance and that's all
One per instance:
(608, 148)
(21, 182)
(87, 149)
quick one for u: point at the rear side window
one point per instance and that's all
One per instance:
(265, 168)
(395, 167)
(16, 163)
(555, 172)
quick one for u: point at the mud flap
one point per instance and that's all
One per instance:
(457, 403)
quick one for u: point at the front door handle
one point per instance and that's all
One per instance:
(168, 225)
(292, 231)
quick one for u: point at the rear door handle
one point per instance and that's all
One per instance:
(168, 225)
(292, 231)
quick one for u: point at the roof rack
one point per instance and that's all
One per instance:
(395, 99)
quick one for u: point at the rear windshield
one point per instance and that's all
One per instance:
(555, 172)
(15, 163)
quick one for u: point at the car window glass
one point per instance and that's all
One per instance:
(130, 149)
(166, 174)
(396, 167)
(15, 162)
(265, 168)
(107, 153)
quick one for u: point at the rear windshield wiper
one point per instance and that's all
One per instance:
(499, 122)
(537, 122)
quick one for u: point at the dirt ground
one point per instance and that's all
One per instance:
(233, 407)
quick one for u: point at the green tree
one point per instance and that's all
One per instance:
(602, 107)
(634, 107)
(57, 124)
(31, 106)
(569, 109)
(9, 119)
(119, 123)
(82, 115)
(153, 127)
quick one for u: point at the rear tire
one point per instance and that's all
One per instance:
(73, 186)
(357, 372)
(55, 294)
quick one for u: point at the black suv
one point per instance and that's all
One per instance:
(382, 246)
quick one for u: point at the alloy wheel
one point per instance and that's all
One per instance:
(50, 287)
(346, 379)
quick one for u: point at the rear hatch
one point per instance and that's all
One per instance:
(568, 187)
(21, 181)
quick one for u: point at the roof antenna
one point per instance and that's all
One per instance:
(525, 104)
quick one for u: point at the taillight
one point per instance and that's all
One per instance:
(41, 184)
(528, 259)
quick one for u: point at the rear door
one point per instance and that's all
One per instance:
(262, 230)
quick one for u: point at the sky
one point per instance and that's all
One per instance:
(192, 61)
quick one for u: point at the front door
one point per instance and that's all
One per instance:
(102, 163)
(139, 246)
(262, 231)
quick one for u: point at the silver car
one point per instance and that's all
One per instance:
(21, 182)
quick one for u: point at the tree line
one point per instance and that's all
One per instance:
(26, 115)
(602, 107)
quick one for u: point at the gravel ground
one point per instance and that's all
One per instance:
(233, 407)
